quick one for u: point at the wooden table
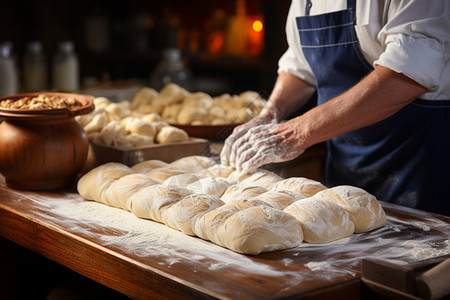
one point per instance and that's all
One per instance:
(144, 259)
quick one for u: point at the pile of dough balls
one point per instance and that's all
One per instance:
(178, 106)
(116, 124)
(247, 213)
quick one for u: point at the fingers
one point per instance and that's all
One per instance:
(228, 148)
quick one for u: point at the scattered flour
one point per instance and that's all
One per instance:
(315, 266)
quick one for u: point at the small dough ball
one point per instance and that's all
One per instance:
(242, 191)
(322, 221)
(280, 199)
(182, 179)
(260, 229)
(97, 123)
(173, 93)
(118, 110)
(170, 134)
(215, 186)
(120, 191)
(184, 214)
(136, 125)
(101, 102)
(94, 182)
(165, 172)
(189, 114)
(122, 142)
(148, 165)
(151, 118)
(193, 163)
(217, 170)
(301, 185)
(140, 140)
(143, 97)
(153, 201)
(262, 178)
(110, 132)
(170, 113)
(364, 209)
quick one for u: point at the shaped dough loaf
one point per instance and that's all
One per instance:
(280, 199)
(182, 179)
(217, 170)
(364, 209)
(211, 186)
(170, 134)
(301, 185)
(248, 226)
(92, 185)
(193, 163)
(322, 221)
(148, 165)
(184, 214)
(242, 191)
(165, 172)
(152, 202)
(119, 192)
(262, 178)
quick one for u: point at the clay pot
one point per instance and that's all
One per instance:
(43, 149)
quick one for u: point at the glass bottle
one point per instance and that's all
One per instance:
(34, 68)
(8, 70)
(65, 70)
(171, 69)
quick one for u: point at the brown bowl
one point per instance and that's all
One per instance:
(43, 149)
(211, 132)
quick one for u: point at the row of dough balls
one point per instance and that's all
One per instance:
(115, 124)
(247, 213)
(178, 106)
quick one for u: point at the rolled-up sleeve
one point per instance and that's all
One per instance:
(415, 39)
(293, 61)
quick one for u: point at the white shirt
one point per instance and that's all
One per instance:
(408, 36)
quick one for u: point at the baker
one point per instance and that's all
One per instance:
(381, 70)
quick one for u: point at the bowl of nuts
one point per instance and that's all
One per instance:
(42, 147)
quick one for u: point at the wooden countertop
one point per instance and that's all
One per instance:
(144, 259)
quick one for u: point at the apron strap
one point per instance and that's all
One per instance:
(351, 5)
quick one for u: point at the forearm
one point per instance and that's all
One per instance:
(289, 94)
(379, 95)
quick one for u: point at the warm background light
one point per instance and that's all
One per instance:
(257, 26)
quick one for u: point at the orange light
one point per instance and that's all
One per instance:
(257, 26)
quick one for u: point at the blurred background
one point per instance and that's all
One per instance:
(226, 45)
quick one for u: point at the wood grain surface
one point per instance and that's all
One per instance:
(143, 259)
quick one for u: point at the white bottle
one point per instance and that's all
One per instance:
(8, 70)
(34, 68)
(171, 69)
(65, 71)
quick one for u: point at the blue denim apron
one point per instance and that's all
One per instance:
(404, 159)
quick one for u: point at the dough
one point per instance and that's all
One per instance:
(152, 202)
(217, 170)
(322, 221)
(165, 172)
(261, 229)
(262, 178)
(139, 140)
(301, 185)
(92, 185)
(148, 165)
(184, 214)
(364, 209)
(188, 114)
(182, 179)
(136, 125)
(239, 176)
(242, 191)
(151, 118)
(247, 226)
(280, 199)
(170, 134)
(193, 163)
(215, 186)
(119, 192)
